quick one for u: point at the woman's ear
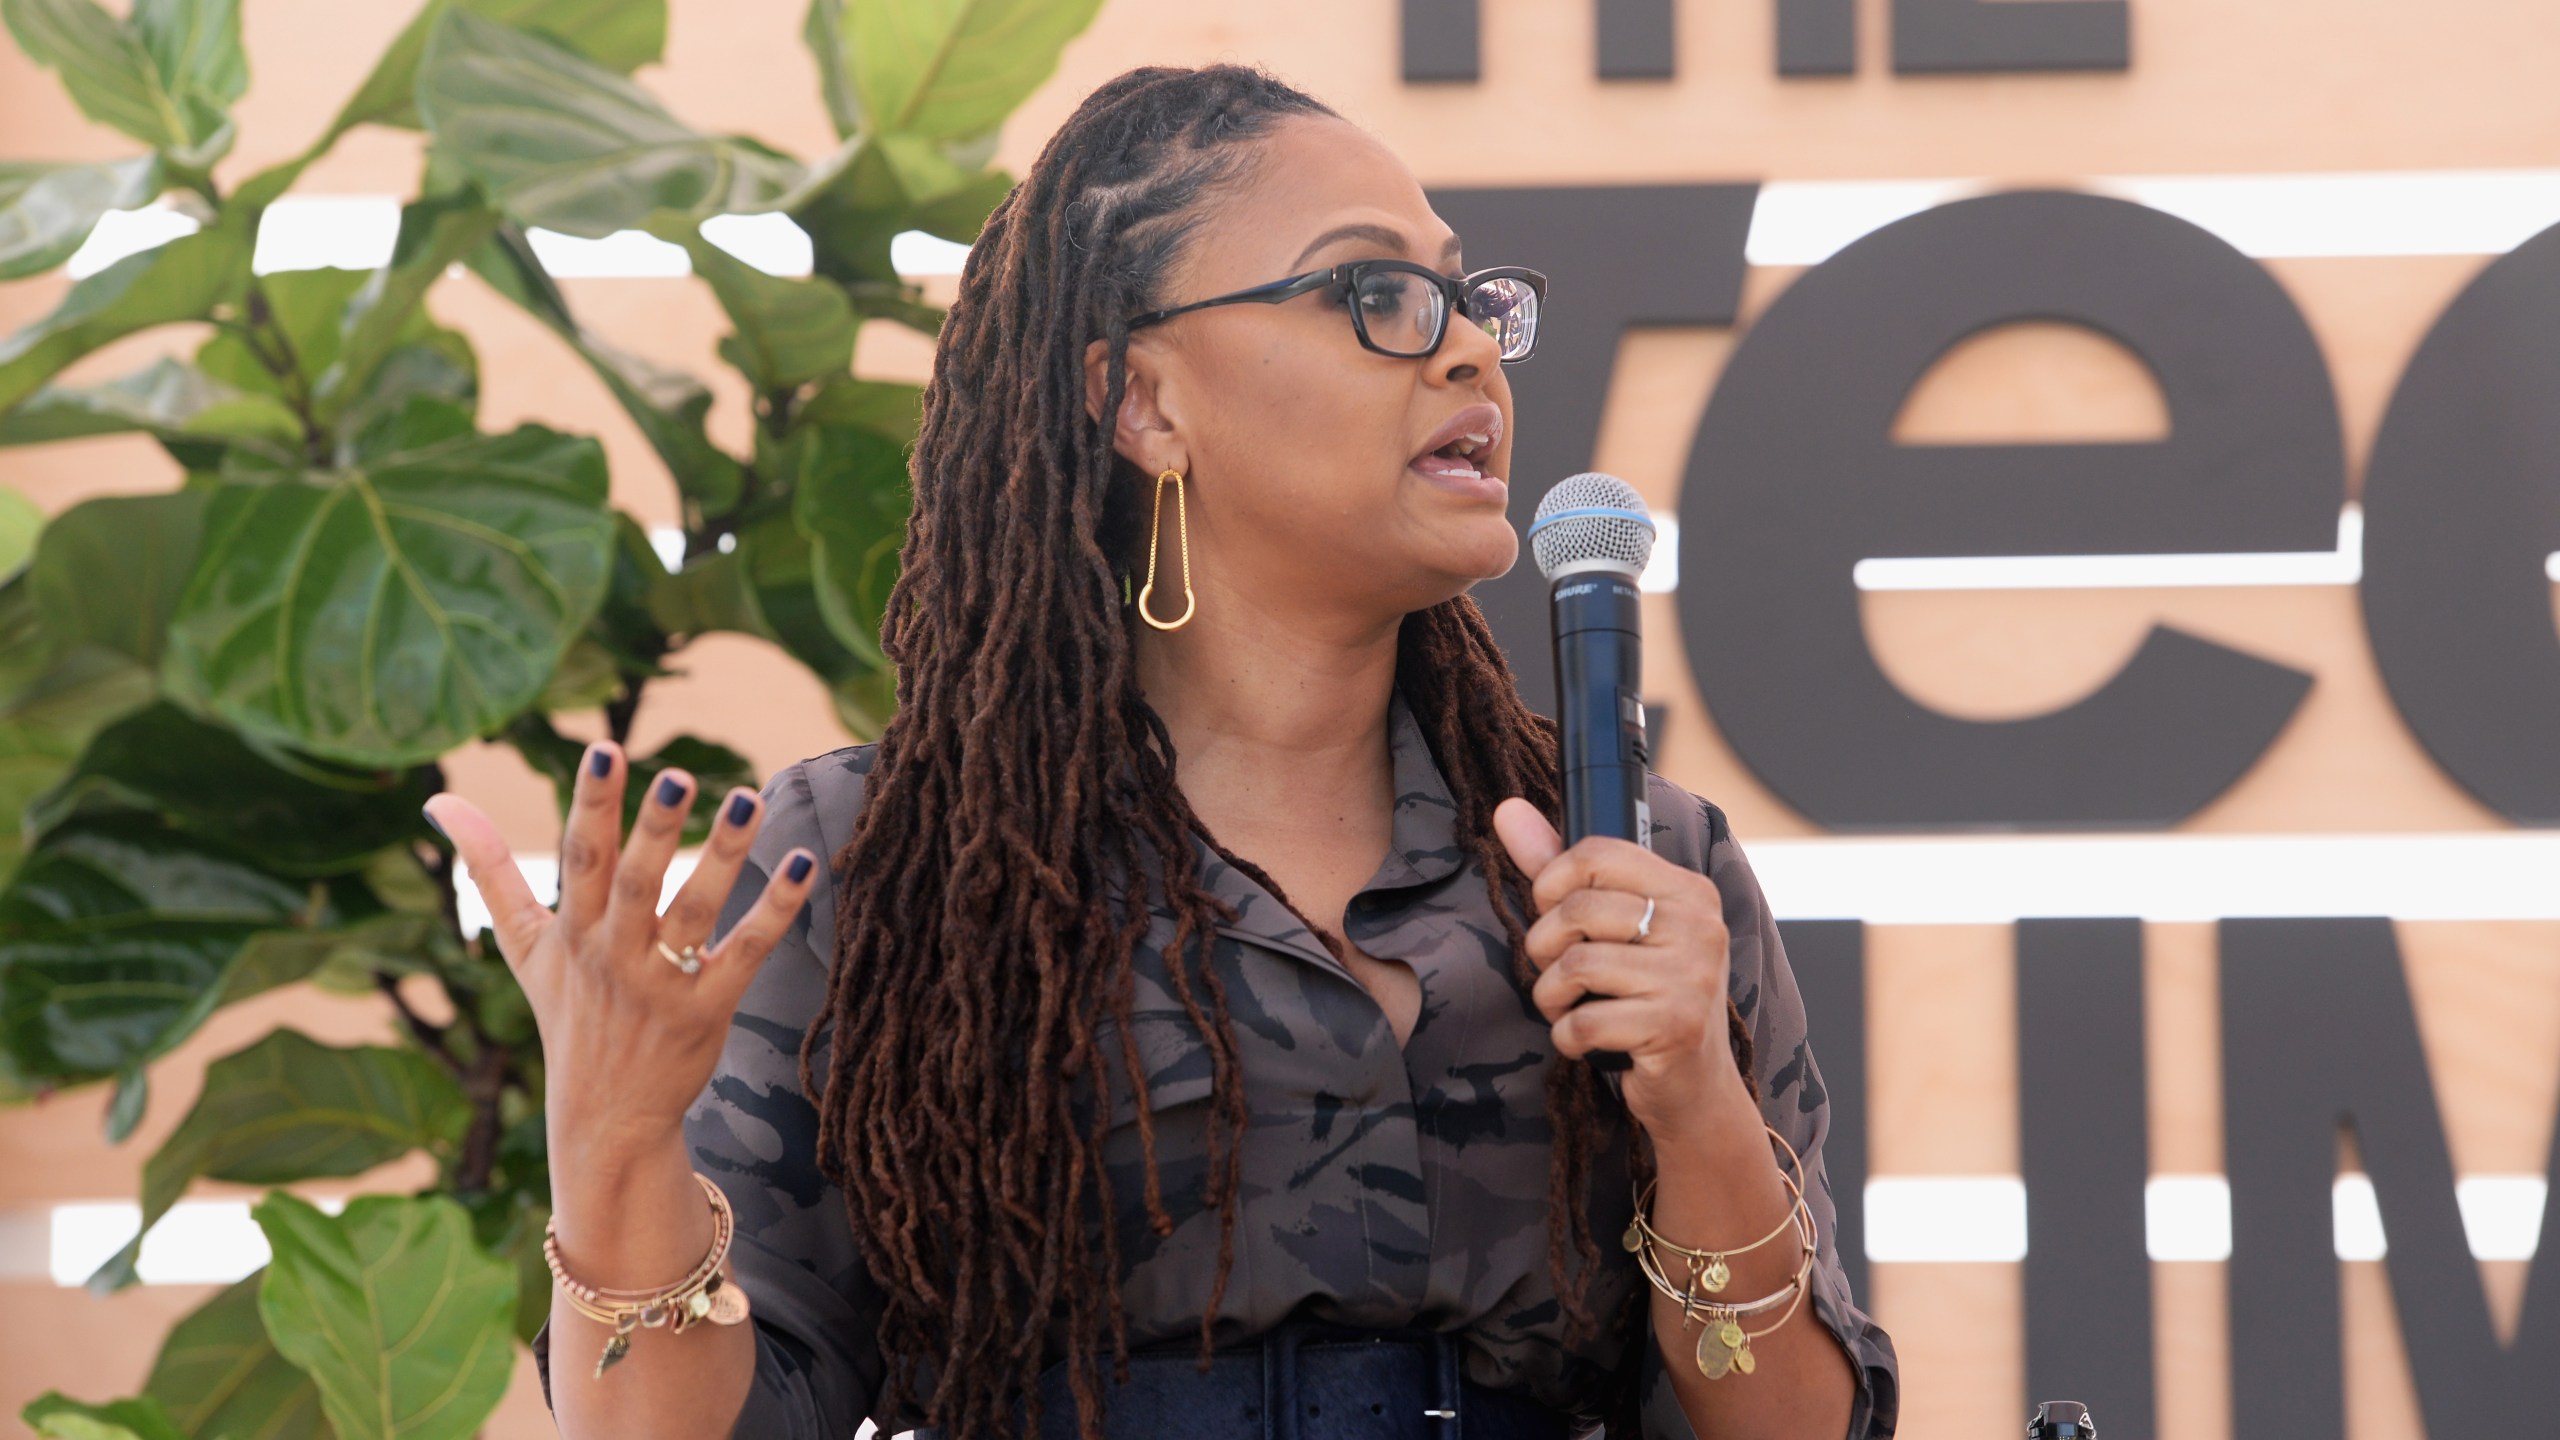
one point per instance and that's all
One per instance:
(1142, 432)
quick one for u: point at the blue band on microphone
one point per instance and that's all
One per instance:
(1593, 512)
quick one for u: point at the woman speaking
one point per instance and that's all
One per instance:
(1170, 1027)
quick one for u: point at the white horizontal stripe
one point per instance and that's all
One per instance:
(1998, 879)
(1796, 222)
(622, 255)
(1979, 1219)
(1662, 567)
(2187, 1217)
(318, 232)
(2342, 566)
(542, 876)
(2271, 216)
(1941, 1218)
(771, 242)
(127, 232)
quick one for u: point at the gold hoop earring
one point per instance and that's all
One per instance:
(1155, 527)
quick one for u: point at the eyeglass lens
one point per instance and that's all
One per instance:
(1401, 312)
(1508, 310)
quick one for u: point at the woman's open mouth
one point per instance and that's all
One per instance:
(1459, 449)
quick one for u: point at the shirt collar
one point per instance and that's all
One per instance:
(1422, 849)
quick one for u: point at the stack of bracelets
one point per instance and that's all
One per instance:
(1723, 1345)
(706, 1294)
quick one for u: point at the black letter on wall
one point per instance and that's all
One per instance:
(1615, 256)
(1817, 37)
(2462, 505)
(1986, 35)
(1440, 40)
(1635, 39)
(2318, 1031)
(2084, 1146)
(1794, 478)
(1829, 958)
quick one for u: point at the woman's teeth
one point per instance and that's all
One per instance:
(1457, 458)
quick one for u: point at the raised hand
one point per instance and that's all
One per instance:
(633, 1005)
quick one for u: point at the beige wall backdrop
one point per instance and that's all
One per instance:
(2217, 86)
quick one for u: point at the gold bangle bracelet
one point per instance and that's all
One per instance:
(704, 1294)
(1708, 1268)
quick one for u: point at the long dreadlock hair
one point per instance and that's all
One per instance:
(984, 929)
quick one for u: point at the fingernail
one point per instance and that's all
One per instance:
(599, 762)
(670, 790)
(433, 823)
(740, 808)
(798, 869)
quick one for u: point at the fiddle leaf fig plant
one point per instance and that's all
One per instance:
(222, 703)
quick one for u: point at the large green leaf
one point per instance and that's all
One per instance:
(296, 318)
(822, 30)
(115, 936)
(881, 406)
(52, 699)
(384, 615)
(20, 522)
(789, 332)
(852, 502)
(47, 211)
(620, 35)
(435, 234)
(167, 79)
(109, 572)
(55, 1416)
(667, 405)
(954, 68)
(220, 1378)
(875, 187)
(564, 143)
(288, 1109)
(393, 1310)
(303, 818)
(169, 398)
(781, 572)
(110, 75)
(345, 960)
(182, 280)
(195, 45)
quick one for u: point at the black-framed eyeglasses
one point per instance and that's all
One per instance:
(1402, 309)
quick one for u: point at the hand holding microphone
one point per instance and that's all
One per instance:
(1631, 948)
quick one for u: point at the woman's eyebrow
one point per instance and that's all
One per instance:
(1379, 235)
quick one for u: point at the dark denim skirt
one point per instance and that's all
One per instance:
(1305, 1382)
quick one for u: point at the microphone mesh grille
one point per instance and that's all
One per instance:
(1567, 532)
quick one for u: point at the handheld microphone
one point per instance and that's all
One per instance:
(1592, 537)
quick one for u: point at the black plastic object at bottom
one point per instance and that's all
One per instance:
(1303, 1382)
(2062, 1420)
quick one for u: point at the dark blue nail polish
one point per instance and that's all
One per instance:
(599, 762)
(670, 790)
(432, 823)
(798, 869)
(741, 808)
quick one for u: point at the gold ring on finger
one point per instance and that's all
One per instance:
(688, 959)
(1644, 926)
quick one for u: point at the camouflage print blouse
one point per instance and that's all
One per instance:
(1383, 1187)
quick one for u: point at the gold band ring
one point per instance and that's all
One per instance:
(688, 959)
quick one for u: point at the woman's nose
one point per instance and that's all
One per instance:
(1465, 353)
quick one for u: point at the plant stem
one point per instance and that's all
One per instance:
(430, 1038)
(623, 708)
(484, 1084)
